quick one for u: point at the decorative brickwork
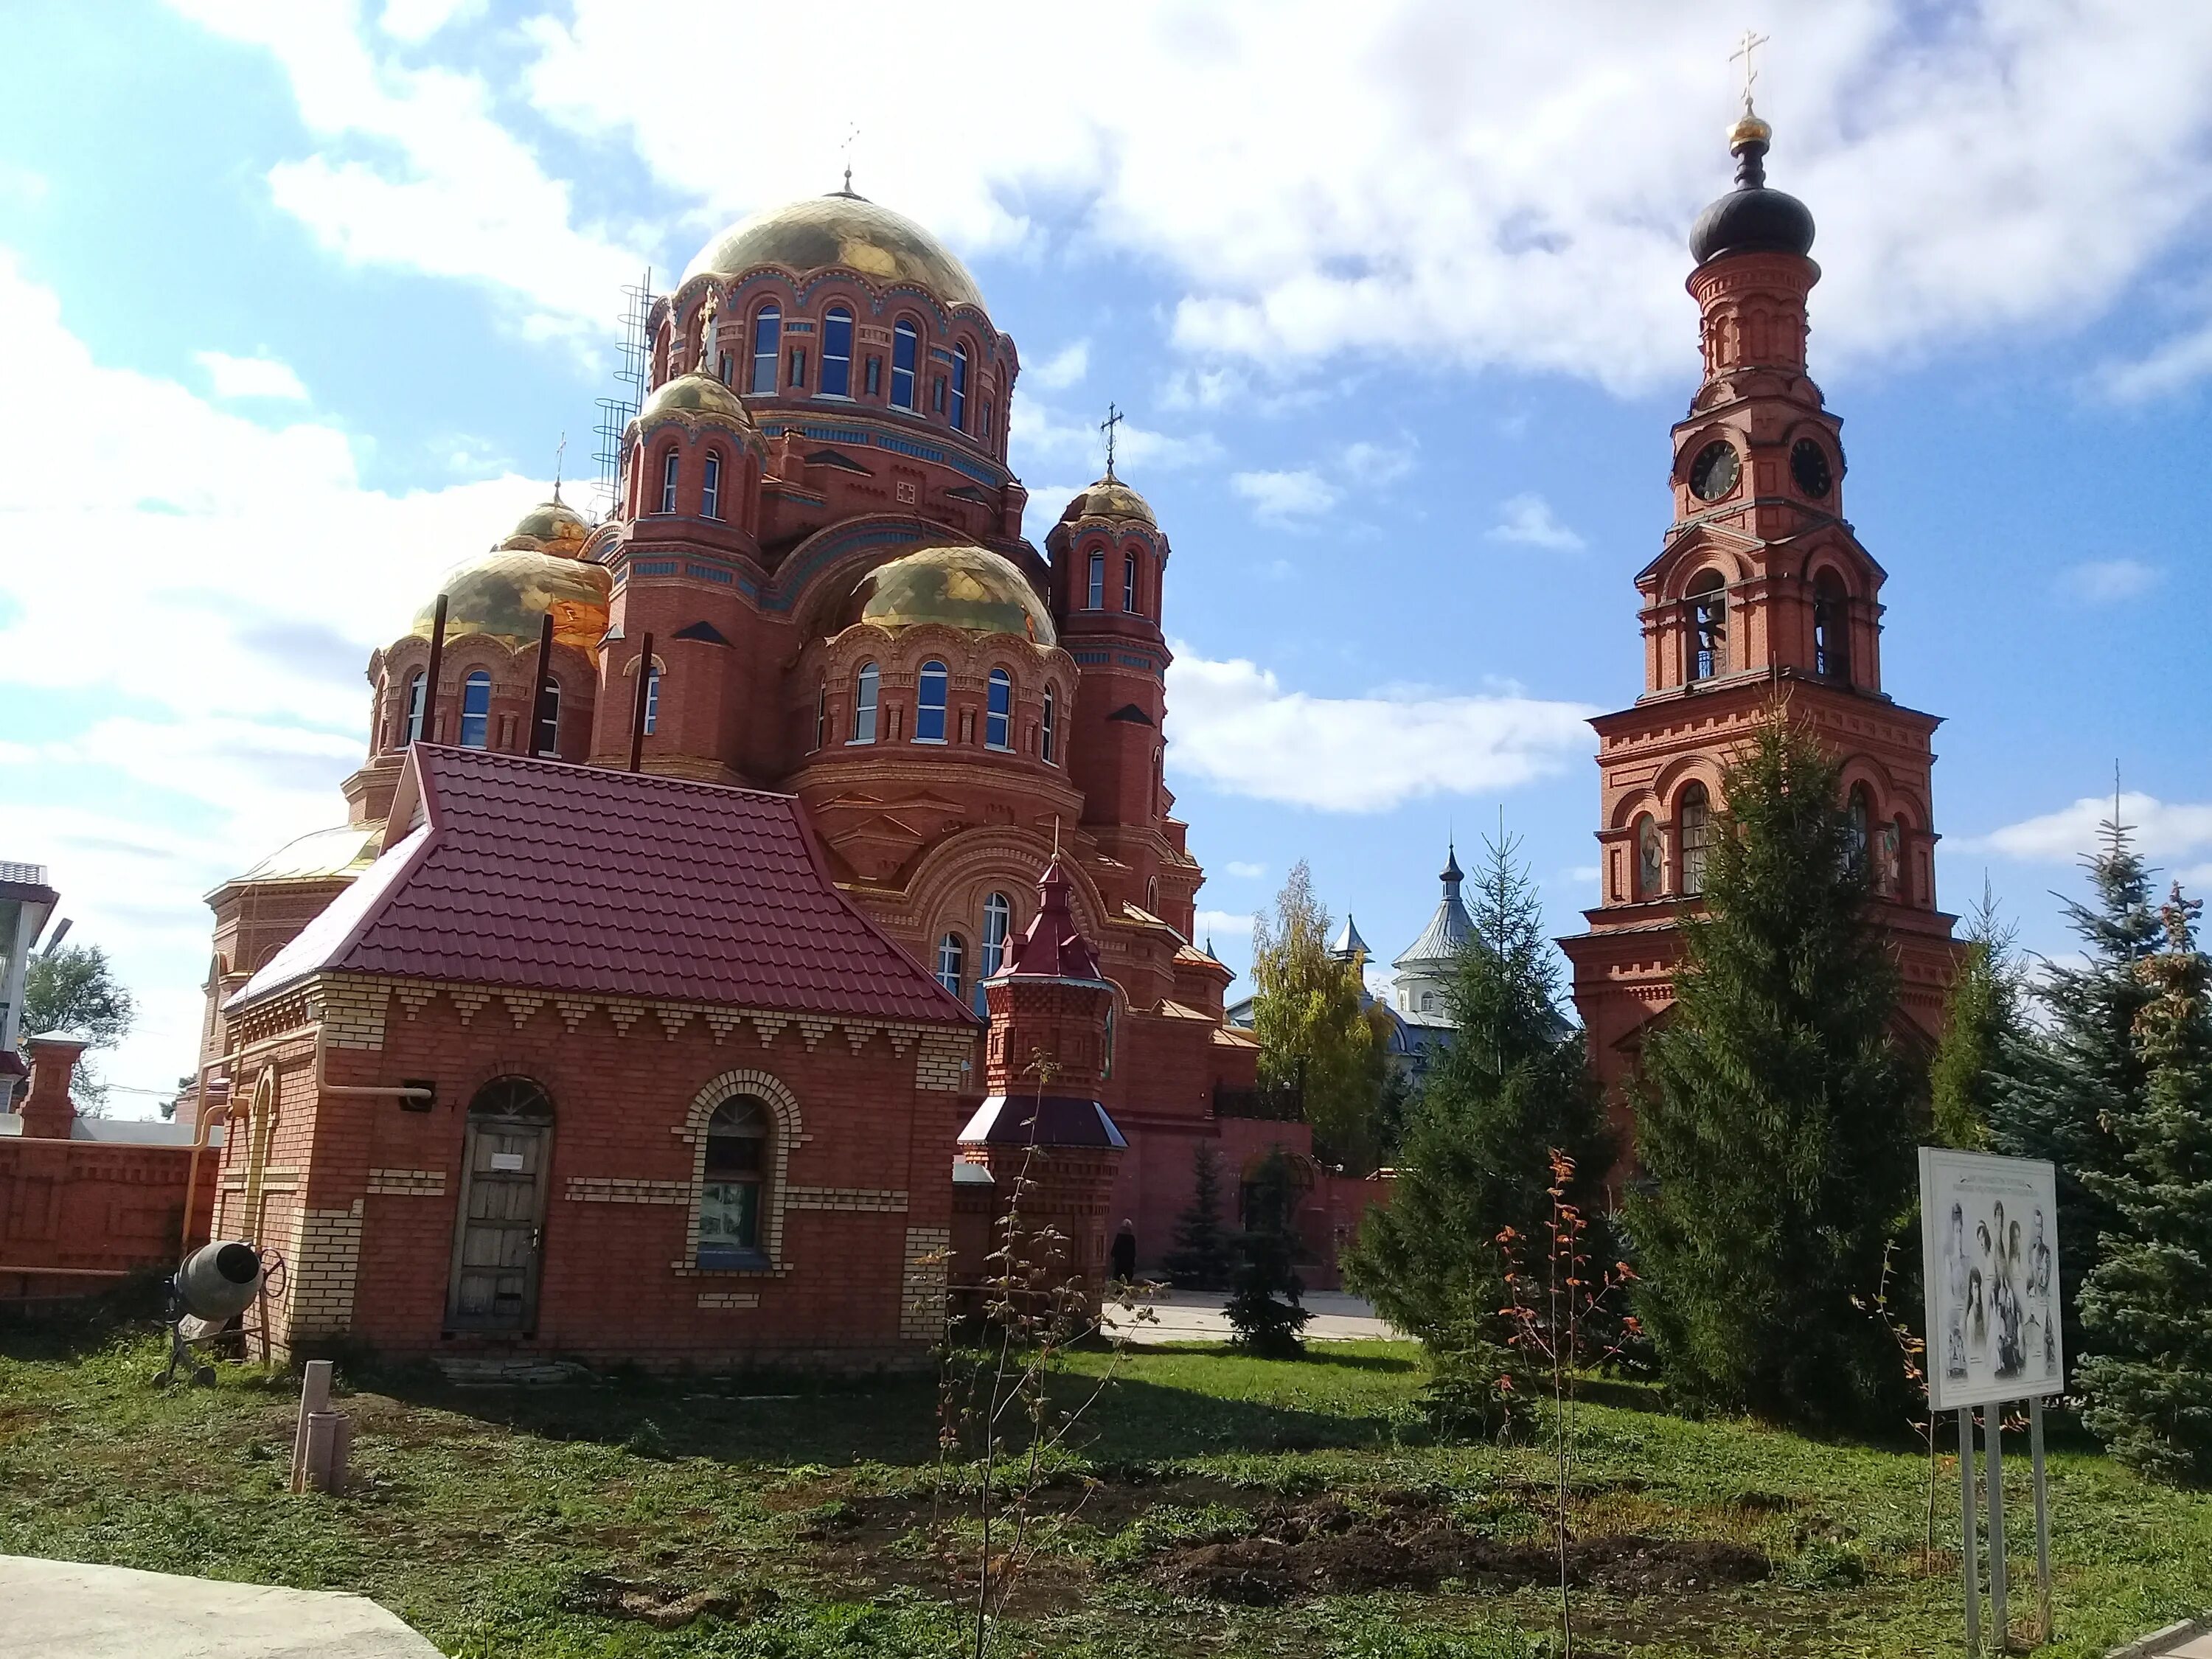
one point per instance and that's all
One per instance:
(922, 1288)
(400, 1183)
(844, 1198)
(610, 1190)
(729, 1299)
(324, 1265)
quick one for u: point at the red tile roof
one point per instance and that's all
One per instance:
(1054, 947)
(547, 876)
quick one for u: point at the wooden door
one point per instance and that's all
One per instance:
(499, 1230)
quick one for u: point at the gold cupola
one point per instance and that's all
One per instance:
(552, 527)
(840, 231)
(1109, 498)
(957, 585)
(505, 593)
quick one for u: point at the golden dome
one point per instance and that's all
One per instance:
(961, 586)
(551, 526)
(825, 231)
(696, 394)
(346, 850)
(1749, 130)
(505, 593)
(1109, 498)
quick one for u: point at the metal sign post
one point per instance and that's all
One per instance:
(1993, 1444)
(1970, 1557)
(2043, 1628)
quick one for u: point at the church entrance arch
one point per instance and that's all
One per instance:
(499, 1229)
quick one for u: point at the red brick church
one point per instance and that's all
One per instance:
(1761, 589)
(640, 1006)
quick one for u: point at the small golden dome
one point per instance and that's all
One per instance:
(1109, 498)
(551, 526)
(505, 593)
(320, 855)
(696, 394)
(961, 586)
(1749, 130)
(842, 231)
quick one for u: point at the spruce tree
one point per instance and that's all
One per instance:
(1775, 1118)
(2065, 1083)
(1201, 1258)
(1513, 1083)
(1265, 1312)
(1981, 1018)
(2147, 1376)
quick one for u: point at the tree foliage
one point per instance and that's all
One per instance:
(1315, 1031)
(1983, 1018)
(1264, 1311)
(1776, 1120)
(74, 988)
(2065, 1084)
(1202, 1256)
(2146, 1377)
(1513, 1084)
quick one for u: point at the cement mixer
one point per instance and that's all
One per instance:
(211, 1286)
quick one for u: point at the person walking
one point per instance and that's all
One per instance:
(1125, 1252)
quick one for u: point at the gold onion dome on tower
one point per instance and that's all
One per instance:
(839, 231)
(1109, 498)
(959, 586)
(698, 395)
(504, 594)
(551, 526)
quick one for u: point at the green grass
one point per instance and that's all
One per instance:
(493, 1518)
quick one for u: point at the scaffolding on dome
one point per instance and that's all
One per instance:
(616, 414)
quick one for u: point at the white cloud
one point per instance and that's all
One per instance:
(238, 649)
(1241, 868)
(417, 20)
(1208, 922)
(1235, 726)
(2171, 367)
(1064, 368)
(1529, 521)
(250, 377)
(2107, 582)
(1286, 498)
(1039, 435)
(1377, 465)
(2163, 829)
(419, 173)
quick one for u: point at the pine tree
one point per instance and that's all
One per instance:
(1315, 1031)
(1982, 1018)
(2147, 1376)
(1201, 1258)
(1775, 1123)
(1264, 1311)
(1513, 1083)
(2063, 1085)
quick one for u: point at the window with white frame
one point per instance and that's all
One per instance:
(999, 712)
(864, 704)
(476, 710)
(931, 688)
(732, 1193)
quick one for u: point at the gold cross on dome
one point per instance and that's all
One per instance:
(560, 453)
(1113, 420)
(1750, 45)
(852, 131)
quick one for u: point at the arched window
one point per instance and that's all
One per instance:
(1708, 625)
(549, 719)
(837, 353)
(998, 928)
(929, 703)
(1831, 636)
(1858, 814)
(1428, 1002)
(731, 1196)
(1152, 895)
(710, 492)
(951, 963)
(863, 705)
(960, 388)
(1095, 592)
(906, 350)
(1695, 838)
(768, 338)
(1049, 745)
(1129, 582)
(476, 710)
(652, 698)
(1650, 859)
(998, 716)
(668, 482)
(821, 712)
(417, 685)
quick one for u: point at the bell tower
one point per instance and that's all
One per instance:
(1761, 590)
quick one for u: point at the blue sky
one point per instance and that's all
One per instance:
(296, 300)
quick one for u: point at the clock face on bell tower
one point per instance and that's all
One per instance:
(1809, 465)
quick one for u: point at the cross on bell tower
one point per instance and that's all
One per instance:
(1106, 426)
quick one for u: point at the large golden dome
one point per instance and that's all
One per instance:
(551, 526)
(505, 593)
(841, 230)
(959, 586)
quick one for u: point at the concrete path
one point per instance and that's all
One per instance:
(2189, 1640)
(68, 1610)
(1197, 1316)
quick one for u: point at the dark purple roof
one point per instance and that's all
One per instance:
(1051, 1121)
(548, 876)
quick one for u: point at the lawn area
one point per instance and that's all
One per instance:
(1219, 1506)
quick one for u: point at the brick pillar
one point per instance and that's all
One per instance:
(47, 1113)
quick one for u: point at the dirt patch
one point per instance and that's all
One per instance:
(664, 1607)
(1327, 1548)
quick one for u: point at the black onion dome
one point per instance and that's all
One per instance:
(1751, 218)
